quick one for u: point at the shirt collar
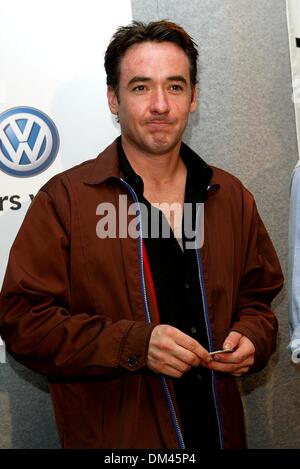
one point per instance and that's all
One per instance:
(130, 176)
(199, 172)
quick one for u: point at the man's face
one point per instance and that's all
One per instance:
(155, 97)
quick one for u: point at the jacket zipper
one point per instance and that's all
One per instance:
(208, 330)
(163, 379)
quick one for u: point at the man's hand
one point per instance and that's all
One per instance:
(173, 353)
(238, 362)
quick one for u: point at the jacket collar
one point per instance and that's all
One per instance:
(106, 165)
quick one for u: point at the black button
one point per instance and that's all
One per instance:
(193, 330)
(208, 423)
(132, 360)
(199, 377)
(187, 285)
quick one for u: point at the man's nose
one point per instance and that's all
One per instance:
(159, 102)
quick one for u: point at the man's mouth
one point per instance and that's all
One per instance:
(159, 122)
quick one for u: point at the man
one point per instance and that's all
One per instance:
(124, 323)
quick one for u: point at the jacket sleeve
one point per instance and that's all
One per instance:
(261, 281)
(35, 319)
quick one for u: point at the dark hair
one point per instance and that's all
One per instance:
(138, 32)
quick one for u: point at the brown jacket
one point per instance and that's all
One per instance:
(73, 307)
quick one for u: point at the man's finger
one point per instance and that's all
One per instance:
(232, 341)
(190, 344)
(240, 372)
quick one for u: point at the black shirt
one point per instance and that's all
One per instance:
(178, 293)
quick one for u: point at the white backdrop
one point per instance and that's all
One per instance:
(52, 96)
(293, 16)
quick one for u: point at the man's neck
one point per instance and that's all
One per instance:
(158, 170)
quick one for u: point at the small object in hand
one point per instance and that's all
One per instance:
(226, 350)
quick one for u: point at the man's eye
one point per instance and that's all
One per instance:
(176, 87)
(139, 88)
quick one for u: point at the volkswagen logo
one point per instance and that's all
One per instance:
(29, 141)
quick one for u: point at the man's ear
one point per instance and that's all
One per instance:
(194, 99)
(112, 99)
